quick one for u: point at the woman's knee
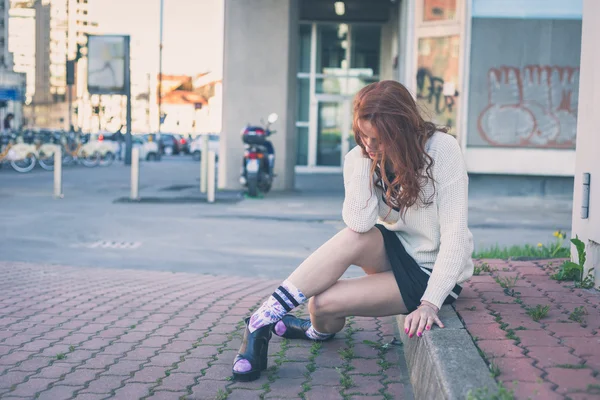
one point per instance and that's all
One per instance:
(359, 241)
(323, 305)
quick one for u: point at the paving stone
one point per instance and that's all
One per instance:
(533, 390)
(13, 378)
(517, 369)
(584, 346)
(30, 388)
(177, 381)
(569, 379)
(549, 356)
(58, 392)
(500, 348)
(325, 377)
(133, 391)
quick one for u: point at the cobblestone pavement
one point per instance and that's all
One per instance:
(550, 353)
(98, 333)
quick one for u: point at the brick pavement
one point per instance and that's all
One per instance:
(96, 333)
(557, 357)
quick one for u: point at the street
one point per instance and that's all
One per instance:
(174, 231)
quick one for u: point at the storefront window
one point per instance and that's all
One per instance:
(437, 79)
(332, 43)
(366, 50)
(524, 82)
(439, 10)
(301, 145)
(303, 91)
(347, 58)
(304, 56)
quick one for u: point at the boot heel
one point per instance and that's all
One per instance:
(254, 349)
(264, 357)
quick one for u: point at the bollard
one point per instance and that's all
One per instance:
(135, 173)
(211, 176)
(204, 165)
(58, 173)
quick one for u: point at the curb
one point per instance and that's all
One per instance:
(444, 363)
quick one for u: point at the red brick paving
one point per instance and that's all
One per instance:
(555, 358)
(82, 333)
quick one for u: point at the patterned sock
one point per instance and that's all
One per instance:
(313, 334)
(282, 301)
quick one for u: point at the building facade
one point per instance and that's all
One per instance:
(21, 43)
(61, 25)
(586, 199)
(12, 84)
(502, 75)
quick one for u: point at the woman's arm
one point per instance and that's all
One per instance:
(360, 207)
(456, 244)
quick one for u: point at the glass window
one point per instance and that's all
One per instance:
(524, 82)
(331, 85)
(304, 57)
(329, 134)
(302, 146)
(332, 42)
(303, 89)
(437, 79)
(438, 10)
(366, 50)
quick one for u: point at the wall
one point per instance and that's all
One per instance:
(259, 78)
(588, 138)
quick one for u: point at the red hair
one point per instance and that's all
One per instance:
(402, 134)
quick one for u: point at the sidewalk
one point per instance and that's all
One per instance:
(557, 357)
(97, 333)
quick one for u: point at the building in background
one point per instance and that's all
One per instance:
(12, 84)
(61, 25)
(5, 57)
(503, 75)
(21, 43)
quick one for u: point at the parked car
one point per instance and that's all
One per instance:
(148, 150)
(196, 146)
(183, 144)
(170, 144)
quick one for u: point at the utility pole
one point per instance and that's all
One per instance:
(160, 51)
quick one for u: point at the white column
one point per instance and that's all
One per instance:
(588, 140)
(259, 78)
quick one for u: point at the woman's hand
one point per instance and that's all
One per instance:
(422, 319)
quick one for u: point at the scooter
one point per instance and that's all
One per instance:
(259, 157)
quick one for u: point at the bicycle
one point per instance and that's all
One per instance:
(78, 149)
(21, 155)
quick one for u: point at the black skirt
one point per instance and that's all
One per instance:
(411, 278)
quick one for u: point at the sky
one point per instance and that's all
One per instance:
(192, 32)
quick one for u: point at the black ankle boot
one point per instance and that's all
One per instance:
(296, 328)
(254, 349)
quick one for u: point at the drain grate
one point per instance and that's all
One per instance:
(107, 244)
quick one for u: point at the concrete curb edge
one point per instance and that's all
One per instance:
(445, 363)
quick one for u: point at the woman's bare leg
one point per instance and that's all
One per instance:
(374, 295)
(327, 264)
(315, 275)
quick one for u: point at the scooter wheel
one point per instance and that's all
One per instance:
(253, 186)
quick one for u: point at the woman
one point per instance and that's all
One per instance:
(405, 208)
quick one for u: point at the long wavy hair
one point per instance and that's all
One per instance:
(403, 167)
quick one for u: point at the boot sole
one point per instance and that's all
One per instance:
(246, 376)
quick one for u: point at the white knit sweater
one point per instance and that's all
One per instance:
(435, 236)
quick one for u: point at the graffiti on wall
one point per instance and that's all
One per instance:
(533, 106)
(437, 76)
(430, 88)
